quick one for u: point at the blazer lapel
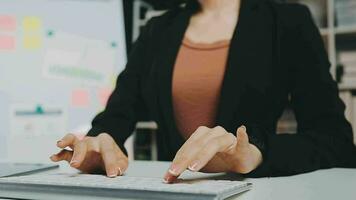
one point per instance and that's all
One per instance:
(249, 61)
(168, 48)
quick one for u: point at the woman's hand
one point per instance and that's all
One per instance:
(92, 154)
(207, 146)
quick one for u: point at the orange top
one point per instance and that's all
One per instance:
(197, 78)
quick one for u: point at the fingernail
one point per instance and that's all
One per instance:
(167, 178)
(173, 170)
(243, 128)
(167, 181)
(59, 142)
(194, 167)
(120, 172)
(112, 174)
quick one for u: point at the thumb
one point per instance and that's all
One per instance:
(242, 137)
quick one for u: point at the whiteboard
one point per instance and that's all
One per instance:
(59, 60)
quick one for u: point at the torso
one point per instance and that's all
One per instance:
(261, 100)
(199, 70)
(197, 78)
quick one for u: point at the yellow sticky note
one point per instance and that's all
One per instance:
(31, 24)
(32, 42)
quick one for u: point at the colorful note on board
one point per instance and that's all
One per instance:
(31, 24)
(7, 42)
(80, 98)
(32, 42)
(7, 23)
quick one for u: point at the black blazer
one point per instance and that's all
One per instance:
(276, 56)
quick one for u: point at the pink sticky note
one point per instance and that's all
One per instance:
(7, 42)
(80, 98)
(7, 23)
(103, 95)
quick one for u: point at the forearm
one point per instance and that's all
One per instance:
(290, 154)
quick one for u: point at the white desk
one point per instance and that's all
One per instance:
(320, 185)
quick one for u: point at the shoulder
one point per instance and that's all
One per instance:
(162, 22)
(291, 15)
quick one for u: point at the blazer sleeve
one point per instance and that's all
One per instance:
(120, 115)
(324, 137)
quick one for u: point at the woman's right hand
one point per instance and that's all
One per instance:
(92, 154)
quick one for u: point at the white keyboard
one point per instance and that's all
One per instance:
(121, 187)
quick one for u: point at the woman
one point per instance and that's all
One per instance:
(216, 75)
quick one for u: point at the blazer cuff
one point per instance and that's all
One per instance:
(263, 170)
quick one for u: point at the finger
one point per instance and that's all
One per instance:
(112, 166)
(189, 150)
(122, 164)
(110, 156)
(200, 160)
(204, 156)
(226, 143)
(242, 137)
(79, 153)
(221, 143)
(198, 133)
(62, 155)
(68, 140)
(194, 139)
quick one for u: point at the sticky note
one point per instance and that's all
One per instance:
(31, 24)
(80, 98)
(103, 95)
(7, 23)
(32, 42)
(7, 42)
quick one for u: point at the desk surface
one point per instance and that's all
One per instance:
(323, 184)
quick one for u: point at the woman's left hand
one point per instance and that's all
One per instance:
(205, 144)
